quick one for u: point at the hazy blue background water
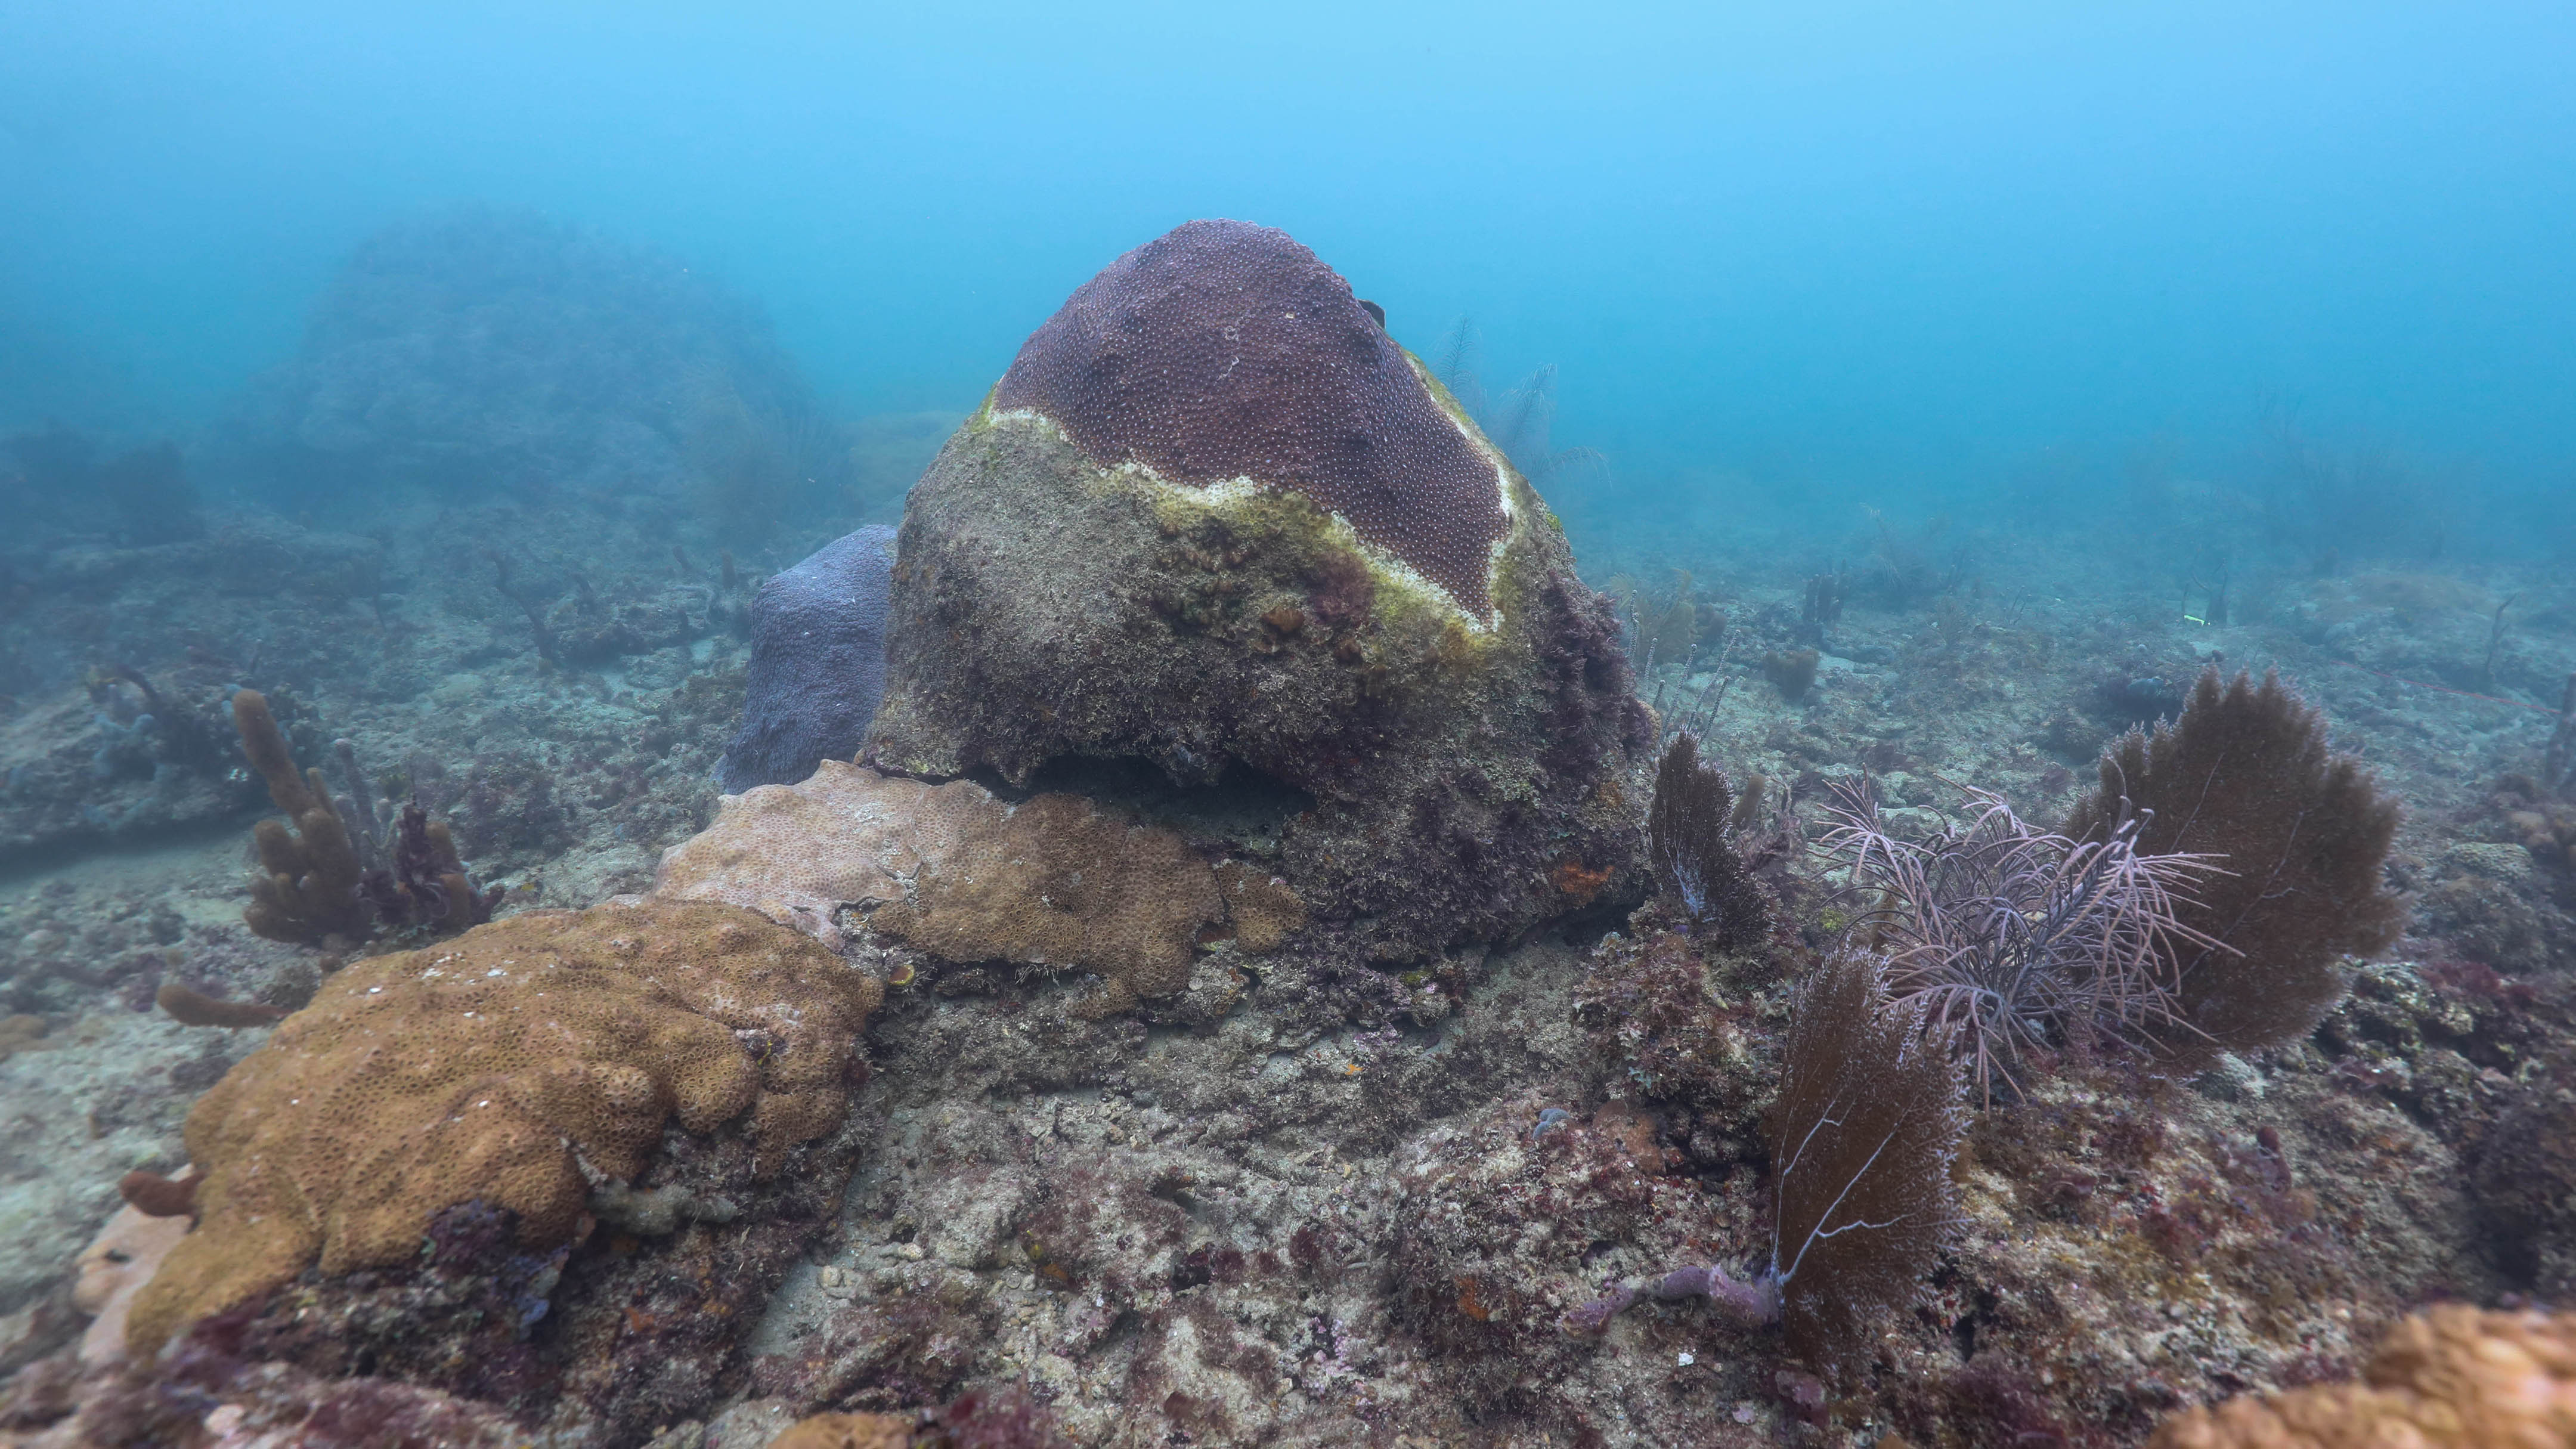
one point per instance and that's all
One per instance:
(1981, 255)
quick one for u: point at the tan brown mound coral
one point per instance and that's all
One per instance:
(478, 1069)
(2451, 1378)
(797, 854)
(1057, 882)
(954, 871)
(847, 1431)
(1264, 910)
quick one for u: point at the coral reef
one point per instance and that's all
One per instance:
(1221, 351)
(847, 1431)
(1862, 1137)
(1688, 830)
(482, 349)
(56, 490)
(437, 1077)
(330, 880)
(1056, 882)
(1427, 668)
(2247, 778)
(1792, 672)
(2450, 1378)
(113, 1269)
(846, 837)
(817, 662)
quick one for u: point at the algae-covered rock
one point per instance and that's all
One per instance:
(1215, 519)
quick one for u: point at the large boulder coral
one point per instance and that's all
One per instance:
(508, 1067)
(1215, 519)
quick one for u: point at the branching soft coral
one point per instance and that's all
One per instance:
(2021, 940)
(307, 886)
(1689, 832)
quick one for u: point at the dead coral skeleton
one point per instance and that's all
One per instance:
(2022, 941)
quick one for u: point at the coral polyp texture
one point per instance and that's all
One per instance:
(494, 1069)
(1223, 351)
(2450, 1378)
(1097, 568)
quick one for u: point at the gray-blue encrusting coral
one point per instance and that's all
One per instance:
(817, 663)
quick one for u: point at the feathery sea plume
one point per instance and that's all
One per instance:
(2022, 941)
(1862, 1138)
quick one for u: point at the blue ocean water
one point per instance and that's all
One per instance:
(1786, 259)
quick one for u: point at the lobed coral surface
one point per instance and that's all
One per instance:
(495, 1069)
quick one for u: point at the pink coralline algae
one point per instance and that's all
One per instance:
(1224, 350)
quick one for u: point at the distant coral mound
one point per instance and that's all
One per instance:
(492, 1068)
(1223, 350)
(817, 663)
(487, 349)
(56, 489)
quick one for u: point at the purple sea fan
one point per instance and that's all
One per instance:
(2018, 940)
(1862, 1139)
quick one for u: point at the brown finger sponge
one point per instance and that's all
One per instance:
(2450, 1378)
(476, 1070)
(1222, 351)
